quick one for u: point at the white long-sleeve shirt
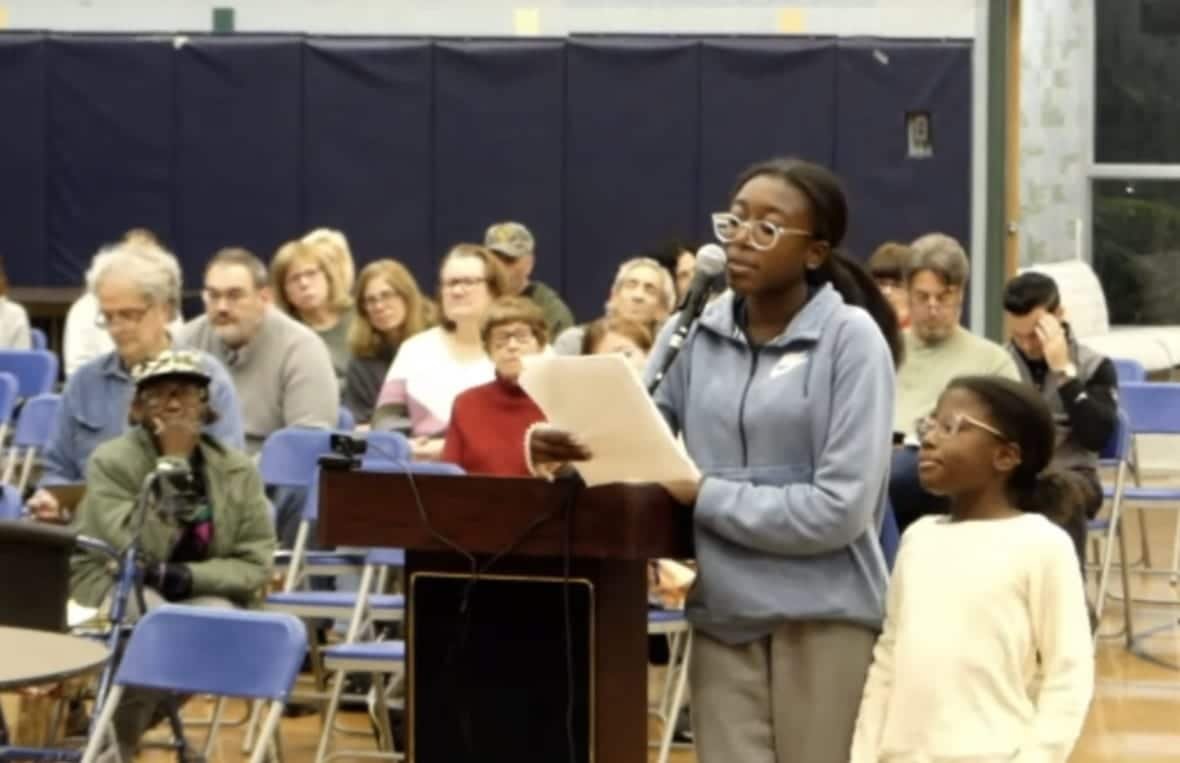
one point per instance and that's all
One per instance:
(14, 326)
(986, 652)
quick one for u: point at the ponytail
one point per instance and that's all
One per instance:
(1058, 494)
(857, 287)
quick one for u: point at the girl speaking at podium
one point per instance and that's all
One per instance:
(783, 392)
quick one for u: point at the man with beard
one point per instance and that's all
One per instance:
(937, 350)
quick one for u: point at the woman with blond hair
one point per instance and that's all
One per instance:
(334, 245)
(433, 367)
(389, 310)
(311, 287)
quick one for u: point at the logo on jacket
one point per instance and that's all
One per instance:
(787, 362)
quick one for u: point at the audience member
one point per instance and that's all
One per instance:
(643, 291)
(280, 368)
(619, 336)
(137, 290)
(1079, 385)
(389, 309)
(514, 246)
(333, 245)
(680, 260)
(14, 320)
(309, 285)
(888, 266)
(937, 350)
(210, 546)
(488, 422)
(432, 368)
(986, 653)
(83, 338)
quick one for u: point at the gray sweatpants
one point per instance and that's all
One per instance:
(791, 697)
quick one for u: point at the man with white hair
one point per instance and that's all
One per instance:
(136, 287)
(83, 339)
(643, 292)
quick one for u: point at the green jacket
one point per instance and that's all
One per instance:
(243, 544)
(557, 315)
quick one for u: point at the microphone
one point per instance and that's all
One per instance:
(710, 263)
(175, 482)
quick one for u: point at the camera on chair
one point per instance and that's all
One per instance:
(346, 452)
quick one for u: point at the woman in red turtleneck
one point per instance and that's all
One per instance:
(488, 422)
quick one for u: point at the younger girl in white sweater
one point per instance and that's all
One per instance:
(986, 653)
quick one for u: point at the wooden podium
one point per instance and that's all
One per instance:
(542, 655)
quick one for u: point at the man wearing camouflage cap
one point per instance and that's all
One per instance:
(514, 246)
(206, 541)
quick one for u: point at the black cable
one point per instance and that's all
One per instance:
(477, 571)
(572, 491)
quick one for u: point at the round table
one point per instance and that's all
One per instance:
(30, 657)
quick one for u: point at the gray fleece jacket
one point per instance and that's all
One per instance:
(793, 438)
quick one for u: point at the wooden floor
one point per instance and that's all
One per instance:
(1135, 716)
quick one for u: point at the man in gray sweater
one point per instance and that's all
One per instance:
(281, 369)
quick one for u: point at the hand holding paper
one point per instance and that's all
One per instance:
(601, 402)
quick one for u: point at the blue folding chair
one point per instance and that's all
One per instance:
(34, 427)
(362, 652)
(8, 396)
(290, 458)
(345, 421)
(672, 624)
(37, 339)
(11, 506)
(1117, 453)
(1129, 371)
(196, 650)
(35, 370)
(1151, 408)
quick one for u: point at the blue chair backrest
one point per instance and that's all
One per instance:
(227, 652)
(386, 557)
(36, 422)
(1129, 370)
(35, 370)
(1118, 447)
(289, 456)
(438, 468)
(10, 503)
(38, 339)
(345, 421)
(9, 391)
(1152, 408)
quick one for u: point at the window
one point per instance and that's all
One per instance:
(1137, 249)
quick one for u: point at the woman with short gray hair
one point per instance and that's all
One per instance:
(137, 289)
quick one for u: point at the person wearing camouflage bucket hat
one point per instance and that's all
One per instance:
(515, 247)
(207, 538)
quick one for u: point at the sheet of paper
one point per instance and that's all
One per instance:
(601, 400)
(77, 615)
